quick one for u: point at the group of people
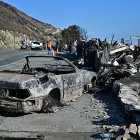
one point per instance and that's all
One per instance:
(64, 48)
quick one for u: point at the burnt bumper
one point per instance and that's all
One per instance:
(17, 106)
(8, 106)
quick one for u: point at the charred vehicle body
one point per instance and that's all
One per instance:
(42, 80)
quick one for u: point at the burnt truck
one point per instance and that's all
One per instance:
(42, 82)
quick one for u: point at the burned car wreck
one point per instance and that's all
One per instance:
(41, 81)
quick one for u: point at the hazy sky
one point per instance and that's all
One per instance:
(101, 18)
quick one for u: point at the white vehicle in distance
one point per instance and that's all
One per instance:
(37, 45)
(24, 44)
(32, 45)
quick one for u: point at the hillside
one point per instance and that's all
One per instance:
(16, 26)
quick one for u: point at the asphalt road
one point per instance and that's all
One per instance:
(85, 118)
(8, 57)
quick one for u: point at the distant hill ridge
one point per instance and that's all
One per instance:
(16, 26)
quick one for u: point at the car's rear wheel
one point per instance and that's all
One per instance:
(89, 88)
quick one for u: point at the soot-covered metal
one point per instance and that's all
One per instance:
(41, 81)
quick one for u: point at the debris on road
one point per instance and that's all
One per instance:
(121, 73)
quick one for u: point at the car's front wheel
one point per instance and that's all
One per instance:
(51, 101)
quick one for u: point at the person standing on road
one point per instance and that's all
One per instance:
(50, 49)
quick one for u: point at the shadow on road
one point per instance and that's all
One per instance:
(115, 112)
(7, 114)
(7, 138)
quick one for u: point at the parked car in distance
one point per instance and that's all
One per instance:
(37, 45)
(41, 82)
(24, 44)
